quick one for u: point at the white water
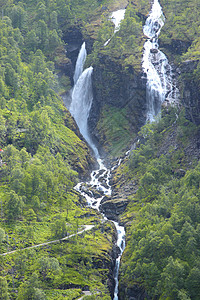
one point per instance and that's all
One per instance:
(80, 63)
(121, 245)
(116, 17)
(67, 98)
(100, 183)
(161, 85)
(81, 103)
(98, 186)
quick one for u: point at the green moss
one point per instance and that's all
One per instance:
(115, 130)
(70, 294)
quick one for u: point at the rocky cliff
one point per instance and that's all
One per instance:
(119, 104)
(190, 91)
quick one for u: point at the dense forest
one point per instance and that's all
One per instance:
(43, 155)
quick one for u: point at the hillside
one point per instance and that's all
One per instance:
(155, 185)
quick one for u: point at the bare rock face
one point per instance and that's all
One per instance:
(115, 87)
(191, 91)
(112, 208)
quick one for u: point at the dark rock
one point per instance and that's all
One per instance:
(113, 208)
(115, 87)
(132, 293)
(154, 50)
(73, 39)
(191, 91)
(175, 46)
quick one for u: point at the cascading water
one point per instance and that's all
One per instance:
(161, 85)
(116, 17)
(67, 98)
(94, 190)
(80, 63)
(121, 245)
(82, 97)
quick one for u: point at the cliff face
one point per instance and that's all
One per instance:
(190, 91)
(123, 94)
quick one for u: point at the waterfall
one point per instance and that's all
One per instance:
(116, 17)
(98, 186)
(67, 98)
(161, 85)
(121, 245)
(82, 97)
(80, 63)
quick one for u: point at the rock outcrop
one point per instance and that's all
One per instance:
(112, 208)
(191, 91)
(115, 87)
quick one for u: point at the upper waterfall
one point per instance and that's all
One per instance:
(80, 63)
(116, 17)
(161, 85)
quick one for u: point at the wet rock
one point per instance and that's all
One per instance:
(154, 50)
(113, 208)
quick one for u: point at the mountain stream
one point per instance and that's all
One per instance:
(81, 101)
(160, 87)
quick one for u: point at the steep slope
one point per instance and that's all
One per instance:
(43, 156)
(160, 178)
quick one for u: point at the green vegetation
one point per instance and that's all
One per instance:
(162, 253)
(180, 35)
(125, 45)
(42, 159)
(115, 131)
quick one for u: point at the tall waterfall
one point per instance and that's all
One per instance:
(80, 63)
(80, 106)
(161, 85)
(82, 97)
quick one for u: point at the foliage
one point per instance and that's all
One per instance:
(42, 158)
(125, 45)
(3, 289)
(162, 251)
(116, 130)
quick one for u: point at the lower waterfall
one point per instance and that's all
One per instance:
(81, 101)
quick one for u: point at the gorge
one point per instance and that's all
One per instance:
(160, 87)
(99, 197)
